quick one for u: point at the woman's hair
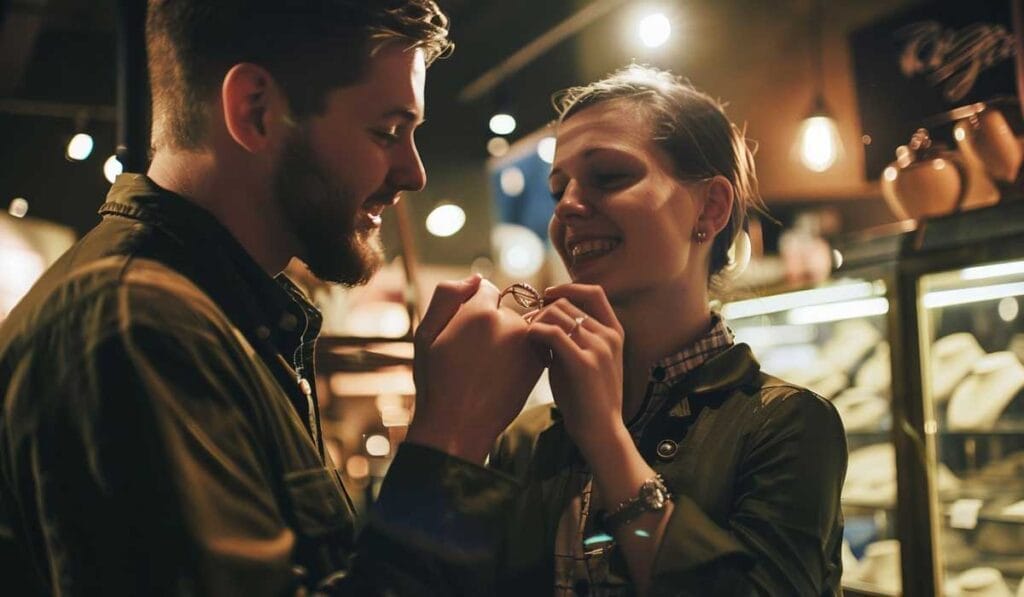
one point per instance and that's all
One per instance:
(691, 127)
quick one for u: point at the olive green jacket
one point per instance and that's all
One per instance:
(756, 466)
(158, 437)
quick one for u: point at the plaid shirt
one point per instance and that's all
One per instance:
(582, 551)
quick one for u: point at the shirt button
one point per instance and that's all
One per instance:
(667, 449)
(658, 373)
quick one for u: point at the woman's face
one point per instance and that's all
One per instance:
(622, 220)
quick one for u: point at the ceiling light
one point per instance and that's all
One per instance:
(111, 168)
(79, 147)
(18, 207)
(502, 123)
(445, 220)
(818, 138)
(654, 29)
(546, 149)
(378, 445)
(497, 146)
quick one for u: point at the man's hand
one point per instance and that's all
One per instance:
(473, 369)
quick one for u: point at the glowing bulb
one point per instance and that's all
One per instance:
(497, 146)
(18, 207)
(111, 168)
(502, 124)
(819, 143)
(79, 147)
(546, 149)
(654, 30)
(378, 445)
(446, 220)
(512, 181)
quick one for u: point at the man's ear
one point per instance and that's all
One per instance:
(247, 94)
(717, 205)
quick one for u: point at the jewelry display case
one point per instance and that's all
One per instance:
(918, 339)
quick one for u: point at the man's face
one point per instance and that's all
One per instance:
(343, 167)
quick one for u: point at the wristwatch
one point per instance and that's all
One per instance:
(652, 497)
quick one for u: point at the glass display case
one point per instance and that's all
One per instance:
(833, 339)
(919, 342)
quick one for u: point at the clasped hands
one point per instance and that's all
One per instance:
(476, 362)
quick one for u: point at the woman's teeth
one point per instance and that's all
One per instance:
(592, 248)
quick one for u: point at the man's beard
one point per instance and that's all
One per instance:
(322, 217)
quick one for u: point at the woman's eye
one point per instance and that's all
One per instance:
(610, 179)
(556, 194)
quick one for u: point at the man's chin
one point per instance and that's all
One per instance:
(350, 265)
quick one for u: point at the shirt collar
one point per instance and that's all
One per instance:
(670, 369)
(263, 308)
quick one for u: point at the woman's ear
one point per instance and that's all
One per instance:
(717, 208)
(247, 94)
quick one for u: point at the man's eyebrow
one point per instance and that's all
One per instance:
(406, 114)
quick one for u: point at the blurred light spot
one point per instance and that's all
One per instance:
(111, 168)
(837, 259)
(445, 220)
(1008, 309)
(889, 173)
(512, 181)
(939, 164)
(357, 466)
(19, 207)
(642, 533)
(654, 30)
(546, 149)
(959, 134)
(378, 445)
(819, 143)
(79, 147)
(599, 538)
(497, 146)
(483, 266)
(502, 124)
(865, 139)
(520, 252)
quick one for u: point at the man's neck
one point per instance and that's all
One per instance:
(236, 198)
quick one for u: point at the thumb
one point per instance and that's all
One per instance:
(448, 297)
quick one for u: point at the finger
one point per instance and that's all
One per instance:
(559, 315)
(588, 297)
(554, 338)
(448, 297)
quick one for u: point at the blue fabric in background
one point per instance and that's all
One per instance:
(531, 208)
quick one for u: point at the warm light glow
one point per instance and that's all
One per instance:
(546, 149)
(963, 296)
(19, 207)
(502, 124)
(446, 220)
(357, 466)
(512, 181)
(497, 146)
(654, 30)
(520, 253)
(819, 143)
(838, 311)
(890, 173)
(393, 412)
(111, 168)
(378, 445)
(79, 147)
(995, 270)
(959, 134)
(1008, 309)
(793, 300)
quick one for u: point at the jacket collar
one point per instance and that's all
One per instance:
(263, 308)
(730, 369)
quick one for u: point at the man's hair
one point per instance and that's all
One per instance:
(691, 127)
(309, 46)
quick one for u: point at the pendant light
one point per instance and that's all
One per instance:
(818, 138)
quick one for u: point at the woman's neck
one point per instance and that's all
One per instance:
(656, 325)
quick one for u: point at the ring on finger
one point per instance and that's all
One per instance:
(577, 322)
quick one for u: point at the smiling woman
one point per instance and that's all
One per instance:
(672, 464)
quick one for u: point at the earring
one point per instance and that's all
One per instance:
(701, 237)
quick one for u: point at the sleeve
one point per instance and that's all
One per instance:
(785, 524)
(151, 480)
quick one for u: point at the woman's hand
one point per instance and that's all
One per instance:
(586, 367)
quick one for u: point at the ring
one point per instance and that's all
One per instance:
(579, 322)
(524, 294)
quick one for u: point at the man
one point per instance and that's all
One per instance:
(160, 432)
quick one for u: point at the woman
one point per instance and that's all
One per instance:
(670, 464)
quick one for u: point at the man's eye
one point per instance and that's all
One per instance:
(387, 136)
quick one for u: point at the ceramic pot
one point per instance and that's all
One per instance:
(986, 135)
(926, 180)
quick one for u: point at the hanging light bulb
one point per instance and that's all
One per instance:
(818, 142)
(820, 145)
